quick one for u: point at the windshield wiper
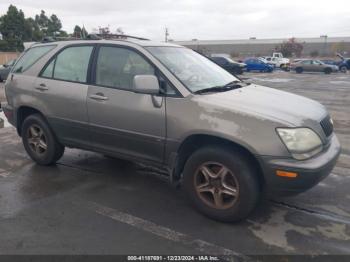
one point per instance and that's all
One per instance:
(230, 86)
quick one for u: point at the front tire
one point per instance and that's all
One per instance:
(343, 69)
(39, 141)
(221, 183)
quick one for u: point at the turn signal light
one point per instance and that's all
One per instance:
(286, 174)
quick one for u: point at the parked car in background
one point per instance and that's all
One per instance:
(311, 65)
(281, 62)
(330, 62)
(268, 60)
(5, 69)
(256, 64)
(344, 64)
(229, 65)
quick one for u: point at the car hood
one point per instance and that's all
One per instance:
(267, 103)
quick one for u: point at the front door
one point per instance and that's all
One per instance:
(122, 121)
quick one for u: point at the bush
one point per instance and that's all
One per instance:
(314, 53)
(290, 48)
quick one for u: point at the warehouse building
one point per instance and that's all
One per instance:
(323, 46)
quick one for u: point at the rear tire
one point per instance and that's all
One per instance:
(39, 141)
(299, 70)
(231, 196)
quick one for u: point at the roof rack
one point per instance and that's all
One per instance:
(49, 39)
(119, 37)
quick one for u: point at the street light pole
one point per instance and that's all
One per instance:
(325, 44)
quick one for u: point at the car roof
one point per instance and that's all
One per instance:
(143, 43)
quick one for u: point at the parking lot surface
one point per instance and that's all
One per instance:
(91, 204)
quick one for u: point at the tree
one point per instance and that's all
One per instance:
(290, 48)
(314, 53)
(84, 33)
(77, 31)
(42, 21)
(54, 25)
(14, 30)
(33, 30)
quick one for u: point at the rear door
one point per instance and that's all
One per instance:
(307, 65)
(121, 121)
(258, 65)
(61, 92)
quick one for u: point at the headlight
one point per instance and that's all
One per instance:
(302, 143)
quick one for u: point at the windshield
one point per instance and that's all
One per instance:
(263, 60)
(195, 71)
(230, 60)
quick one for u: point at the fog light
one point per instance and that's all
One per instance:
(286, 174)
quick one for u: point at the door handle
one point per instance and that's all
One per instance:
(98, 97)
(41, 87)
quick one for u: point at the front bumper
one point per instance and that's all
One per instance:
(310, 171)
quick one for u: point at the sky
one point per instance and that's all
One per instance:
(199, 19)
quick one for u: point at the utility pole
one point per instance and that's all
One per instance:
(325, 44)
(166, 34)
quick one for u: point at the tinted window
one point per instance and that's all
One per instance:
(30, 57)
(306, 62)
(72, 64)
(219, 60)
(116, 67)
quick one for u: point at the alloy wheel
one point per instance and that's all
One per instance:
(216, 185)
(37, 140)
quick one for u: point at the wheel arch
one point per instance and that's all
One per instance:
(22, 113)
(195, 141)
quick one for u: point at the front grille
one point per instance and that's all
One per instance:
(327, 126)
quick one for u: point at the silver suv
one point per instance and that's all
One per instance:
(225, 140)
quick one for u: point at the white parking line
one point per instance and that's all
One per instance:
(167, 233)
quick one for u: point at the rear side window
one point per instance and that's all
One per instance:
(306, 62)
(70, 65)
(30, 57)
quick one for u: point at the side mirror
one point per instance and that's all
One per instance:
(146, 84)
(5, 65)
